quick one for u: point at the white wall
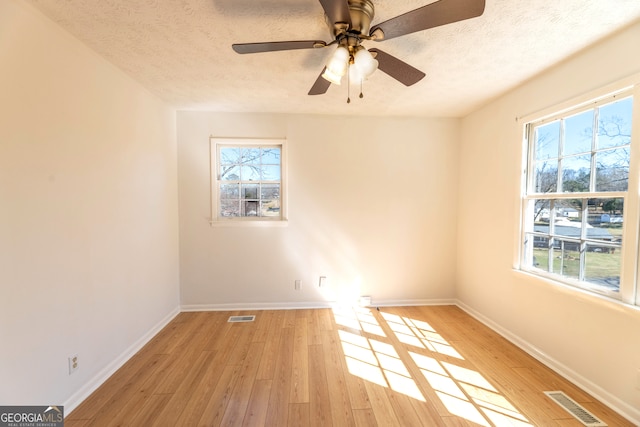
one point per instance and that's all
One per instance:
(372, 206)
(88, 212)
(594, 341)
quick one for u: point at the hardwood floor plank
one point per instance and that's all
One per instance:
(452, 421)
(76, 423)
(140, 399)
(242, 343)
(289, 319)
(193, 390)
(189, 323)
(364, 418)
(188, 404)
(405, 413)
(267, 368)
(175, 370)
(381, 406)
(355, 385)
(299, 414)
(300, 363)
(256, 414)
(339, 400)
(263, 325)
(572, 422)
(239, 401)
(147, 413)
(278, 410)
(319, 400)
(225, 332)
(319, 322)
(214, 410)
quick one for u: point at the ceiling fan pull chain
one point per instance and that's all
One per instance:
(361, 95)
(348, 87)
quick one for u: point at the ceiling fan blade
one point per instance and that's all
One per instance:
(432, 15)
(321, 85)
(337, 11)
(275, 46)
(399, 70)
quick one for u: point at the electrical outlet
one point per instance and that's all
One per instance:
(298, 285)
(322, 282)
(73, 363)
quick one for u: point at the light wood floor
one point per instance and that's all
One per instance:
(405, 366)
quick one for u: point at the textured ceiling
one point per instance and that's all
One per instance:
(181, 51)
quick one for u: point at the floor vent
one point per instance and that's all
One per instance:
(572, 407)
(235, 319)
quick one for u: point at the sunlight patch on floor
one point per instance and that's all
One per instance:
(378, 363)
(419, 334)
(358, 318)
(464, 392)
(462, 408)
(372, 359)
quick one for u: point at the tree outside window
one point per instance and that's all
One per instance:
(577, 184)
(249, 179)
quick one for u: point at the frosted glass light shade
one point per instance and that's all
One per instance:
(331, 76)
(337, 65)
(355, 76)
(365, 63)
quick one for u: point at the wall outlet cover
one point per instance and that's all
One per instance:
(73, 364)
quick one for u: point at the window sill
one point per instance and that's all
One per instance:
(278, 223)
(584, 292)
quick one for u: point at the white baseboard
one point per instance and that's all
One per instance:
(311, 304)
(411, 302)
(256, 306)
(621, 407)
(78, 397)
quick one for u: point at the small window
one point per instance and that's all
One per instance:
(248, 180)
(576, 195)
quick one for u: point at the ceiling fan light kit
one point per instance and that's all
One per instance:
(337, 65)
(349, 22)
(359, 65)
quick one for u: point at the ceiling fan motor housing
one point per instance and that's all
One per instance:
(361, 13)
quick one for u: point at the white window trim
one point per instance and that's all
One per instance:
(214, 219)
(629, 292)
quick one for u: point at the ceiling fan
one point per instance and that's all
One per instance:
(349, 22)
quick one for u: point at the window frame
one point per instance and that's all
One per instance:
(630, 258)
(215, 144)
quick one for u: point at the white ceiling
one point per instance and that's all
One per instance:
(181, 51)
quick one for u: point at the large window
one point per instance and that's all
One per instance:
(579, 197)
(248, 180)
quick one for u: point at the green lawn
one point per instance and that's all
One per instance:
(599, 265)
